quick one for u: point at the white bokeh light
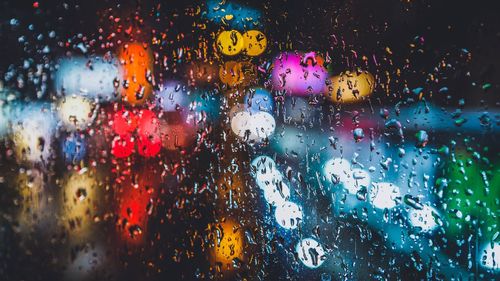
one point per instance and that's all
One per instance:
(263, 161)
(490, 256)
(288, 215)
(75, 112)
(337, 170)
(384, 195)
(355, 180)
(425, 219)
(33, 130)
(92, 78)
(253, 126)
(310, 253)
(268, 179)
(277, 195)
(266, 174)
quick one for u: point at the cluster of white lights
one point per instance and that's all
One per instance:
(252, 126)
(276, 192)
(288, 214)
(33, 126)
(382, 195)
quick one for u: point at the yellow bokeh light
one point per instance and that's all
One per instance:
(255, 43)
(230, 43)
(349, 87)
(80, 200)
(36, 208)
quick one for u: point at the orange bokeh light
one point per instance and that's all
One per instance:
(228, 243)
(137, 63)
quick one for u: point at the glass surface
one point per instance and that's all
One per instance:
(249, 140)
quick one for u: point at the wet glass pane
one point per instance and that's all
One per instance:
(249, 140)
